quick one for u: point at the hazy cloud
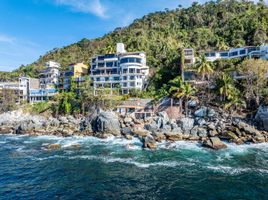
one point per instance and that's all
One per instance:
(86, 6)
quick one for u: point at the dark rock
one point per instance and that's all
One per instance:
(108, 123)
(262, 117)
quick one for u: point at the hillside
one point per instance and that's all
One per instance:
(213, 25)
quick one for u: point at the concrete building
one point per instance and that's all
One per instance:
(49, 77)
(260, 52)
(39, 95)
(77, 72)
(124, 70)
(189, 57)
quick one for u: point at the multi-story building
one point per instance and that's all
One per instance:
(39, 95)
(189, 57)
(76, 71)
(260, 52)
(10, 92)
(49, 77)
(125, 70)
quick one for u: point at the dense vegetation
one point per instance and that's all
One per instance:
(213, 25)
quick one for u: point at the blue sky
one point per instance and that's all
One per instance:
(29, 28)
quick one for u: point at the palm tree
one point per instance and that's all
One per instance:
(226, 87)
(204, 67)
(181, 90)
(175, 85)
(185, 92)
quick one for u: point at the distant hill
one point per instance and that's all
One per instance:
(213, 25)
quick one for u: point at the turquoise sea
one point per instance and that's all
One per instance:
(121, 169)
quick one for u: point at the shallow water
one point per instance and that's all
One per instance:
(120, 169)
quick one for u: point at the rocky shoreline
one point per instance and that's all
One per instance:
(205, 125)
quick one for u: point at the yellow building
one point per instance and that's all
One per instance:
(76, 71)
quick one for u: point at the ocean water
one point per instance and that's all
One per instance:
(121, 169)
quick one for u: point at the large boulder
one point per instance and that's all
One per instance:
(174, 136)
(251, 130)
(228, 135)
(186, 124)
(262, 117)
(164, 117)
(141, 133)
(108, 123)
(205, 112)
(201, 112)
(149, 142)
(153, 126)
(214, 143)
(202, 132)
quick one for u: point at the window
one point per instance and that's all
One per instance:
(124, 71)
(106, 78)
(234, 53)
(116, 78)
(131, 71)
(242, 52)
(98, 79)
(109, 56)
(124, 84)
(100, 57)
(132, 77)
(224, 54)
(124, 78)
(114, 71)
(109, 64)
(101, 65)
(138, 71)
(132, 84)
(130, 60)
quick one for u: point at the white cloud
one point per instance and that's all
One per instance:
(86, 6)
(7, 39)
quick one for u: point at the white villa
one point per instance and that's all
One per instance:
(260, 52)
(124, 70)
(49, 77)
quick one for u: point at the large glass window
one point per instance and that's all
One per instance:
(131, 71)
(100, 57)
(132, 77)
(224, 54)
(100, 64)
(242, 52)
(132, 84)
(114, 71)
(109, 56)
(109, 64)
(234, 53)
(130, 60)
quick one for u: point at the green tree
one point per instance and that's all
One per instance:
(204, 67)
